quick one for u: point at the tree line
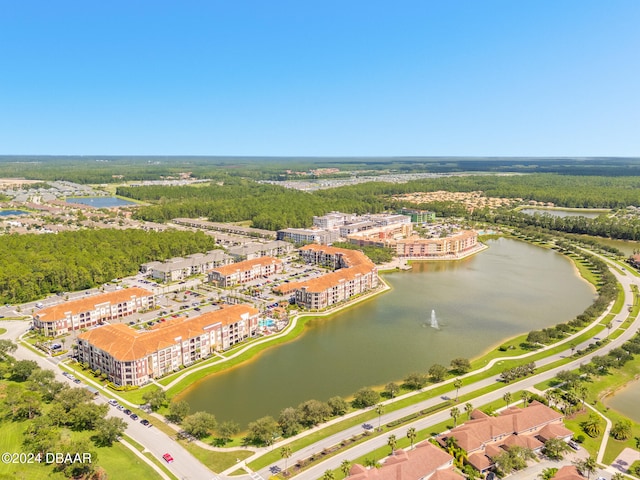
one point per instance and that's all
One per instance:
(32, 266)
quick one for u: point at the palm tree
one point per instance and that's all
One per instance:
(588, 466)
(507, 398)
(592, 426)
(379, 411)
(621, 430)
(549, 397)
(618, 476)
(285, 452)
(525, 396)
(345, 466)
(457, 384)
(609, 327)
(411, 435)
(583, 391)
(455, 413)
(548, 473)
(468, 408)
(328, 475)
(392, 442)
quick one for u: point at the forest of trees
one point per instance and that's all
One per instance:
(272, 207)
(32, 266)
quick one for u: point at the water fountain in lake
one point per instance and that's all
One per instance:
(434, 320)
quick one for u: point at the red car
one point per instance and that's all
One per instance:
(167, 458)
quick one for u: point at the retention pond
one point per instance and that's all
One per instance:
(509, 289)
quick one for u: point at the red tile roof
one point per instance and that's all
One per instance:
(245, 265)
(421, 462)
(127, 344)
(568, 472)
(74, 307)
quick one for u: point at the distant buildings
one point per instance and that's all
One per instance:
(308, 235)
(354, 274)
(179, 268)
(133, 357)
(419, 216)
(225, 228)
(243, 272)
(91, 311)
(249, 251)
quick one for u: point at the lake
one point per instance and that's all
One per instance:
(100, 202)
(509, 289)
(625, 401)
(6, 213)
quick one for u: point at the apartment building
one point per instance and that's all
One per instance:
(333, 220)
(354, 274)
(91, 311)
(243, 272)
(133, 357)
(452, 246)
(250, 251)
(308, 235)
(179, 268)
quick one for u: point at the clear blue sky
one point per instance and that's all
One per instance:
(320, 77)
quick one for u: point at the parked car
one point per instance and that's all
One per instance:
(113, 402)
(126, 411)
(573, 445)
(145, 422)
(167, 458)
(133, 416)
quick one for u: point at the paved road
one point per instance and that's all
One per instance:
(185, 466)
(334, 462)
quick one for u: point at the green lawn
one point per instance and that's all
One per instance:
(118, 461)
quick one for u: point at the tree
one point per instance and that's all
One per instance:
(6, 347)
(526, 397)
(592, 426)
(392, 442)
(345, 467)
(461, 365)
(263, 431)
(555, 448)
(108, 430)
(548, 473)
(328, 475)
(621, 430)
(468, 408)
(455, 413)
(289, 422)
(155, 397)
(391, 389)
(618, 476)
(285, 452)
(411, 435)
(379, 411)
(21, 369)
(507, 398)
(457, 383)
(313, 412)
(44, 382)
(227, 429)
(338, 405)
(177, 411)
(415, 381)
(199, 424)
(437, 372)
(586, 466)
(365, 397)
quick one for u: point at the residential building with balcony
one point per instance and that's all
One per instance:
(179, 268)
(243, 272)
(451, 246)
(91, 311)
(133, 357)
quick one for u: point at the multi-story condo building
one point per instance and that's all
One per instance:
(354, 274)
(419, 216)
(333, 220)
(179, 268)
(132, 357)
(249, 251)
(309, 235)
(91, 311)
(452, 246)
(243, 272)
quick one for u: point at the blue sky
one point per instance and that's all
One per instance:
(320, 77)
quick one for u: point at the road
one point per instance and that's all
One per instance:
(186, 466)
(317, 470)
